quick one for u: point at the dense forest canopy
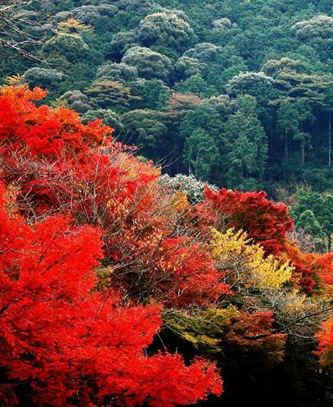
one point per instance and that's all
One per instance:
(125, 283)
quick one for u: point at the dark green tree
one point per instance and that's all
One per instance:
(321, 206)
(144, 129)
(246, 145)
(201, 154)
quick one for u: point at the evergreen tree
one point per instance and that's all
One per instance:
(246, 144)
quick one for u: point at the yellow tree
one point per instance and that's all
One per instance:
(246, 261)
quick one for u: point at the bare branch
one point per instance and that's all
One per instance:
(21, 24)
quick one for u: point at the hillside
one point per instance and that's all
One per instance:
(166, 203)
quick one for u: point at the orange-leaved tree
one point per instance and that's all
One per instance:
(57, 164)
(325, 337)
(62, 343)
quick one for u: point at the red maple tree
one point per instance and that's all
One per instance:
(78, 169)
(325, 348)
(266, 222)
(62, 343)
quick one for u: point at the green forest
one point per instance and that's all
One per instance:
(141, 262)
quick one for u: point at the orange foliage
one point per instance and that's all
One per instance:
(43, 130)
(325, 349)
(268, 223)
(313, 272)
(64, 342)
(152, 256)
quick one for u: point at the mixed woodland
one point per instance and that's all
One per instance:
(141, 262)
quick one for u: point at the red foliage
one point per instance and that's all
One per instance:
(63, 343)
(255, 333)
(325, 348)
(42, 130)
(196, 277)
(314, 271)
(150, 257)
(151, 254)
(266, 222)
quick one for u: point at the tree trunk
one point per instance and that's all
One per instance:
(285, 164)
(271, 132)
(330, 140)
(329, 242)
(303, 153)
(316, 141)
(302, 146)
(196, 164)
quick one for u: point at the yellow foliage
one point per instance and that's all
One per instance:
(180, 201)
(204, 330)
(59, 103)
(234, 251)
(14, 80)
(105, 275)
(190, 338)
(295, 303)
(72, 26)
(209, 341)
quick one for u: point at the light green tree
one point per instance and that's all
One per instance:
(167, 28)
(150, 64)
